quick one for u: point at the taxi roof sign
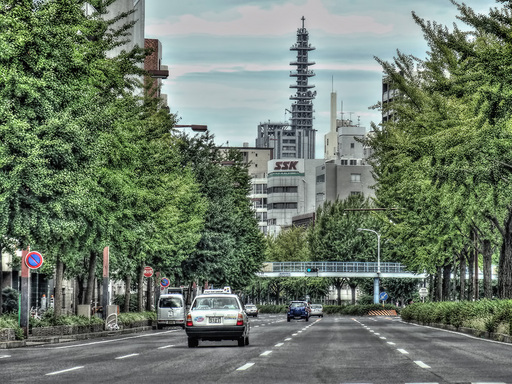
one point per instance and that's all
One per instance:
(223, 290)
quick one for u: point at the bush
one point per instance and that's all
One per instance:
(10, 300)
(133, 317)
(11, 321)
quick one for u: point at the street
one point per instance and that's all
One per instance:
(332, 349)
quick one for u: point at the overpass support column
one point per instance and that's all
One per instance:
(376, 290)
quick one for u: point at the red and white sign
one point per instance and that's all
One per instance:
(148, 271)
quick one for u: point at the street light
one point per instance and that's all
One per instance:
(376, 289)
(195, 127)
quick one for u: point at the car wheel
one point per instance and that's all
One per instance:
(192, 342)
(255, 315)
(159, 326)
(241, 341)
(288, 319)
(247, 340)
(307, 318)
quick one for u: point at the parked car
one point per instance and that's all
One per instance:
(251, 310)
(298, 310)
(317, 310)
(217, 315)
(170, 311)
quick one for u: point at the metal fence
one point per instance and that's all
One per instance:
(334, 266)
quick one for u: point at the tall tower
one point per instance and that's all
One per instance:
(302, 107)
(295, 139)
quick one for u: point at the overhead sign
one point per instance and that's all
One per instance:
(33, 260)
(383, 296)
(148, 271)
(423, 292)
(165, 282)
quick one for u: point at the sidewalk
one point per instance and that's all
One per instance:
(40, 340)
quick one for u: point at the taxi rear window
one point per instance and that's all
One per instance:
(206, 303)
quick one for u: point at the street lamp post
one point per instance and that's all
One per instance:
(376, 290)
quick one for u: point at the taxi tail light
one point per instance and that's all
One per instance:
(240, 319)
(189, 320)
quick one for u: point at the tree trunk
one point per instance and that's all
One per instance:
(439, 284)
(471, 275)
(127, 293)
(90, 277)
(140, 290)
(487, 265)
(59, 275)
(447, 270)
(353, 289)
(462, 295)
(505, 263)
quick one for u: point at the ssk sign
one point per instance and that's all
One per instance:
(286, 166)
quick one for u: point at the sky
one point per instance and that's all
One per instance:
(229, 60)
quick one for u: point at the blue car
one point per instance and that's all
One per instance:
(298, 310)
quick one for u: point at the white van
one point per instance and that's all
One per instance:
(170, 310)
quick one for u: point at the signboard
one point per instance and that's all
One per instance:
(165, 282)
(383, 296)
(286, 166)
(148, 271)
(33, 260)
(423, 292)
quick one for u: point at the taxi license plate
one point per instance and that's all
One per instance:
(214, 320)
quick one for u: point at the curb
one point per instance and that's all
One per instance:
(40, 340)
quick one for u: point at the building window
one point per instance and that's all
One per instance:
(282, 206)
(351, 145)
(355, 177)
(355, 193)
(344, 162)
(353, 162)
(320, 178)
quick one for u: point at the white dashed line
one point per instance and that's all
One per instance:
(245, 366)
(382, 338)
(279, 345)
(288, 339)
(391, 343)
(64, 371)
(5, 356)
(166, 346)
(266, 353)
(422, 364)
(403, 351)
(126, 356)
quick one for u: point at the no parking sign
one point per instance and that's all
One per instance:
(165, 282)
(33, 260)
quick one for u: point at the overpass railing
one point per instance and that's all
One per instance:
(334, 266)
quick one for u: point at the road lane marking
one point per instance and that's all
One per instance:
(166, 346)
(126, 356)
(266, 353)
(278, 344)
(391, 343)
(403, 351)
(422, 364)
(159, 334)
(288, 339)
(5, 356)
(294, 334)
(245, 366)
(377, 334)
(382, 338)
(64, 371)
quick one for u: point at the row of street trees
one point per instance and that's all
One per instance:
(86, 161)
(444, 159)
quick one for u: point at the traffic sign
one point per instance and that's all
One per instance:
(33, 260)
(383, 296)
(148, 271)
(423, 292)
(165, 282)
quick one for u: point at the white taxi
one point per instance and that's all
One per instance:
(216, 315)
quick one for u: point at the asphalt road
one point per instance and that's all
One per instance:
(332, 349)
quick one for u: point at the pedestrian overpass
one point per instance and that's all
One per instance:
(336, 269)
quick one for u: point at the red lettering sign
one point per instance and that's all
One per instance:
(286, 165)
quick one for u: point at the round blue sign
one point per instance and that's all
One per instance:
(165, 282)
(383, 296)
